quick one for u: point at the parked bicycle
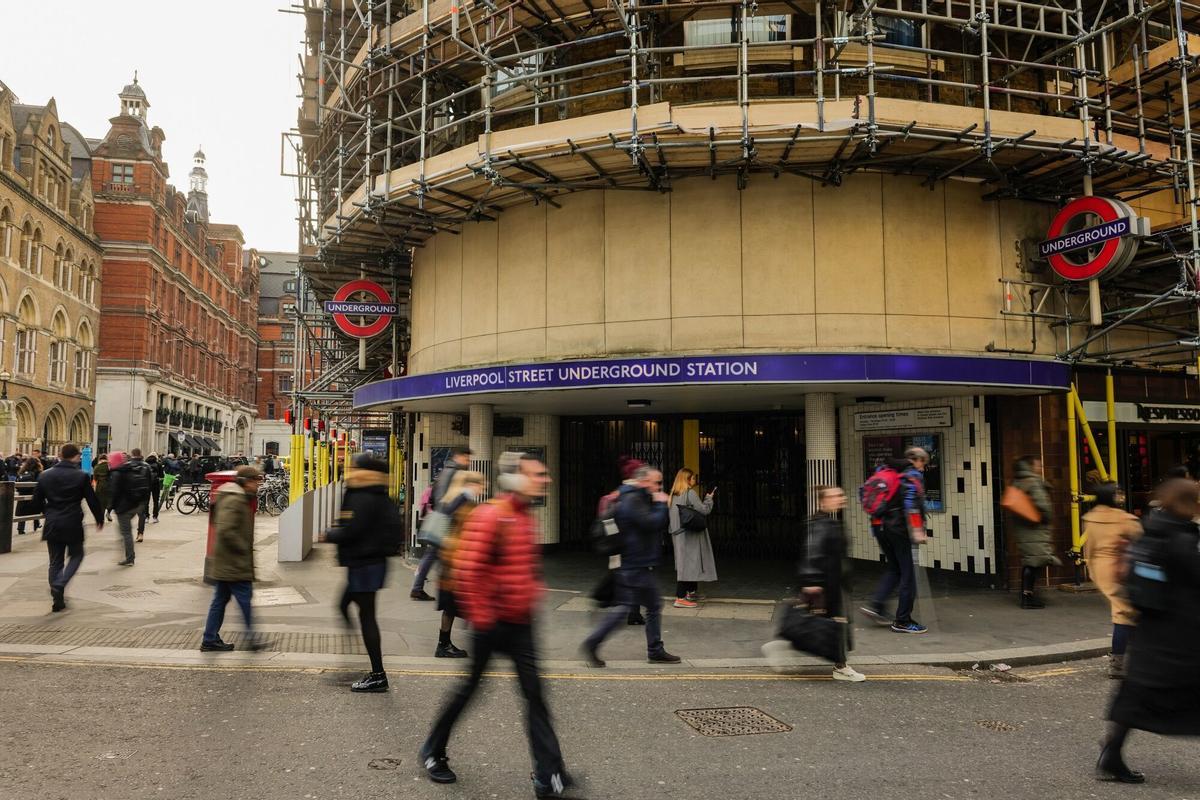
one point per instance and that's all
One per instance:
(272, 497)
(193, 497)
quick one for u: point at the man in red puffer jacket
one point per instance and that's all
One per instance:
(498, 585)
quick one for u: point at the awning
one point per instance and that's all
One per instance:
(195, 443)
(211, 444)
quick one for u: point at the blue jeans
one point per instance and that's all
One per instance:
(241, 590)
(901, 575)
(60, 576)
(634, 587)
(427, 562)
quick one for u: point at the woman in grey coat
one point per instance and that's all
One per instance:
(693, 549)
(1035, 540)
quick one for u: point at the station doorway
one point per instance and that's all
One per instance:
(755, 461)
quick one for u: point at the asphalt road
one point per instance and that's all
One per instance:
(91, 731)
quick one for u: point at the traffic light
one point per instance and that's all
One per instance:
(287, 416)
(308, 423)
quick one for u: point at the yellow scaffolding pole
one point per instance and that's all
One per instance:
(1073, 469)
(1087, 433)
(1111, 409)
(296, 468)
(309, 466)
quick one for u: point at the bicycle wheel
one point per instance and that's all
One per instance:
(187, 503)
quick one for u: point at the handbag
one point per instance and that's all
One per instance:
(1020, 504)
(691, 520)
(605, 591)
(811, 633)
(434, 528)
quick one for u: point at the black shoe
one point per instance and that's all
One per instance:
(1111, 767)
(636, 619)
(1031, 600)
(559, 782)
(663, 657)
(437, 767)
(448, 650)
(126, 563)
(257, 644)
(374, 682)
(344, 611)
(875, 615)
(59, 602)
(215, 647)
(420, 594)
(591, 658)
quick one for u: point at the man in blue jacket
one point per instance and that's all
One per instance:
(60, 490)
(902, 526)
(641, 518)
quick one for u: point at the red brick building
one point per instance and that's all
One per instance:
(178, 302)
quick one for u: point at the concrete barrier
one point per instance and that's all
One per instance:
(303, 520)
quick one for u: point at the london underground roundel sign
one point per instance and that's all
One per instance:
(362, 299)
(1092, 237)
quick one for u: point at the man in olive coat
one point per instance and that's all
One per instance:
(230, 567)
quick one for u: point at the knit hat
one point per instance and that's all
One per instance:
(628, 466)
(248, 473)
(116, 459)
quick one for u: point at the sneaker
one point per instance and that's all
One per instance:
(258, 644)
(876, 616)
(696, 596)
(437, 767)
(420, 594)
(448, 650)
(909, 627)
(848, 673)
(780, 655)
(558, 783)
(154, 520)
(215, 647)
(663, 657)
(373, 682)
(683, 602)
(591, 658)
(126, 563)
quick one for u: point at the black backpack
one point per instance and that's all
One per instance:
(604, 534)
(1146, 583)
(138, 486)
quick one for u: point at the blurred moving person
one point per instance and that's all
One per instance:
(900, 526)
(462, 497)
(59, 492)
(1108, 530)
(230, 568)
(31, 470)
(460, 458)
(369, 530)
(1035, 540)
(498, 586)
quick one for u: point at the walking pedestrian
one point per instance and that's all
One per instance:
(59, 492)
(1035, 541)
(131, 481)
(230, 568)
(498, 586)
(693, 549)
(462, 497)
(642, 518)
(101, 474)
(1108, 530)
(825, 571)
(30, 471)
(604, 593)
(1161, 692)
(460, 458)
(368, 532)
(156, 482)
(901, 525)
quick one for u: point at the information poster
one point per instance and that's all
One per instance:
(376, 441)
(879, 449)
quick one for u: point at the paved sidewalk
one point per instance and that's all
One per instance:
(154, 612)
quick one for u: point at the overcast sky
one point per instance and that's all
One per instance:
(219, 73)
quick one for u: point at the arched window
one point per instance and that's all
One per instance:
(6, 232)
(36, 260)
(83, 357)
(81, 429)
(59, 263)
(24, 415)
(58, 348)
(54, 430)
(68, 271)
(27, 247)
(50, 137)
(25, 349)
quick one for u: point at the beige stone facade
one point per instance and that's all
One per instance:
(49, 272)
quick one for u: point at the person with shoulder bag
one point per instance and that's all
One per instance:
(898, 525)
(462, 497)
(1031, 527)
(688, 526)
(368, 532)
(1108, 531)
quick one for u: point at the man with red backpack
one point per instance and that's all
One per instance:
(894, 497)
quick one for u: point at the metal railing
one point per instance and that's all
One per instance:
(12, 493)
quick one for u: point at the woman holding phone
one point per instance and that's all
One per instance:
(693, 549)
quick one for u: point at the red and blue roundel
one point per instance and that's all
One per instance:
(1091, 237)
(373, 301)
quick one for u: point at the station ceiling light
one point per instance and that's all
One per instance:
(638, 403)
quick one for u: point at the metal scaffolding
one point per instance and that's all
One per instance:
(419, 116)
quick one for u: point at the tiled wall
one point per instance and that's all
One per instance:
(963, 535)
(540, 430)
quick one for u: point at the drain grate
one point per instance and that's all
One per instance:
(736, 721)
(140, 594)
(995, 725)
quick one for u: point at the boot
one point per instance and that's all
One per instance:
(373, 682)
(1031, 600)
(447, 649)
(1112, 767)
(1116, 666)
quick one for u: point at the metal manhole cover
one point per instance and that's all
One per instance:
(736, 721)
(137, 595)
(996, 726)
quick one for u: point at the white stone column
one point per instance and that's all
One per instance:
(480, 442)
(820, 440)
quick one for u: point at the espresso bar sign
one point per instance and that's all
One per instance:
(1188, 415)
(899, 418)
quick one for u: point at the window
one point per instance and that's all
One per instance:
(122, 173)
(286, 357)
(50, 136)
(289, 287)
(287, 335)
(5, 233)
(270, 411)
(767, 28)
(24, 351)
(286, 308)
(507, 78)
(285, 384)
(83, 372)
(58, 361)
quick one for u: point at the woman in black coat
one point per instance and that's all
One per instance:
(825, 572)
(368, 531)
(30, 471)
(1161, 692)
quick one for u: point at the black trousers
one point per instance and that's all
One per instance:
(517, 642)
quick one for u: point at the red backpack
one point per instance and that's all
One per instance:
(879, 490)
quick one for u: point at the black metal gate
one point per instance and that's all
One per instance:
(756, 463)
